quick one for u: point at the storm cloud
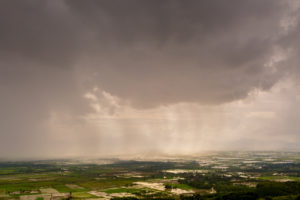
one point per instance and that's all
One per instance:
(68, 67)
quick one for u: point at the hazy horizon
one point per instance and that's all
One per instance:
(96, 78)
(149, 156)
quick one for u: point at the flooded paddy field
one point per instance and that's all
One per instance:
(217, 175)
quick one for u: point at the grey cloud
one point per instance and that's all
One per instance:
(148, 53)
(151, 52)
(155, 53)
(40, 31)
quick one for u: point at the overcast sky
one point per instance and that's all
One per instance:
(99, 77)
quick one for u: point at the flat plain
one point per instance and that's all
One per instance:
(216, 175)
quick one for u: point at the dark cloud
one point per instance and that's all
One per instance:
(149, 53)
(166, 52)
(39, 31)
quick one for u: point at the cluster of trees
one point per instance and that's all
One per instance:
(204, 182)
(264, 190)
(277, 188)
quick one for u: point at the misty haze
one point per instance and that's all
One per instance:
(150, 99)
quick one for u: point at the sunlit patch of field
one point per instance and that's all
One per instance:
(179, 191)
(44, 196)
(31, 197)
(48, 190)
(98, 194)
(130, 175)
(108, 183)
(83, 195)
(151, 185)
(74, 186)
(116, 192)
(35, 197)
(122, 194)
(48, 194)
(181, 171)
(139, 189)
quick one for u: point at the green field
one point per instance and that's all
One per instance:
(247, 176)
